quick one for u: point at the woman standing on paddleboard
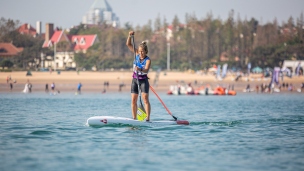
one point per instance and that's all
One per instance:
(141, 68)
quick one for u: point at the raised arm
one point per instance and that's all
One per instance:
(129, 43)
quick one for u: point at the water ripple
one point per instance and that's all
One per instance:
(260, 132)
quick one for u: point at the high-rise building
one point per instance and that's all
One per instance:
(38, 27)
(99, 13)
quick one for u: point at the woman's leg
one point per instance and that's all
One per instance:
(145, 97)
(134, 104)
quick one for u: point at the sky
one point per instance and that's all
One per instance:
(67, 13)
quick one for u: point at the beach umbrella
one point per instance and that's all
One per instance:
(257, 70)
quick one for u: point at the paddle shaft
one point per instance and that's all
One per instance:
(139, 91)
(175, 118)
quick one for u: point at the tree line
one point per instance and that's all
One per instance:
(195, 44)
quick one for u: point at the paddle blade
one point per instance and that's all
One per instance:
(141, 114)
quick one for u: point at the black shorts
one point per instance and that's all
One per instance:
(143, 84)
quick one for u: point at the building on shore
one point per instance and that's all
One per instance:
(65, 46)
(100, 13)
(8, 51)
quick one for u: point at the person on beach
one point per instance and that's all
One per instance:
(121, 85)
(47, 87)
(141, 66)
(11, 86)
(79, 88)
(53, 87)
(29, 86)
(26, 88)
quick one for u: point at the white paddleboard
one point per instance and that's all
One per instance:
(110, 120)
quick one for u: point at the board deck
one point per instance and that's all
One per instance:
(108, 120)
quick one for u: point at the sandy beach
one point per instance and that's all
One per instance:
(94, 81)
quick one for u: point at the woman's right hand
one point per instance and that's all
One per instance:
(131, 33)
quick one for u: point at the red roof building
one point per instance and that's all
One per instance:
(9, 50)
(79, 42)
(83, 42)
(57, 37)
(27, 29)
(64, 54)
(288, 31)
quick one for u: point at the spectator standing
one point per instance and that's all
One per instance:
(53, 87)
(11, 86)
(79, 88)
(29, 86)
(47, 87)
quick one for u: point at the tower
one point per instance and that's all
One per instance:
(38, 27)
(100, 12)
(49, 31)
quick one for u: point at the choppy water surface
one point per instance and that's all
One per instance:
(244, 132)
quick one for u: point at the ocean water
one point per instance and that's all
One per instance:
(244, 132)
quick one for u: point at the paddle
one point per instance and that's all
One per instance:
(175, 118)
(141, 112)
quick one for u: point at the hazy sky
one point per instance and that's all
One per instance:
(66, 13)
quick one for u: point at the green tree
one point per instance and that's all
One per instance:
(7, 26)
(6, 63)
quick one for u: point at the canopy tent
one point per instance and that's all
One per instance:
(212, 69)
(257, 70)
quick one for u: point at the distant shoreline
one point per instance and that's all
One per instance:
(67, 81)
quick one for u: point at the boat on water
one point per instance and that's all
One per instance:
(203, 90)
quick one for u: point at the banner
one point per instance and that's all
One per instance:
(224, 70)
(275, 75)
(218, 72)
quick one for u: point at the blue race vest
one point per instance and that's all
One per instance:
(141, 75)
